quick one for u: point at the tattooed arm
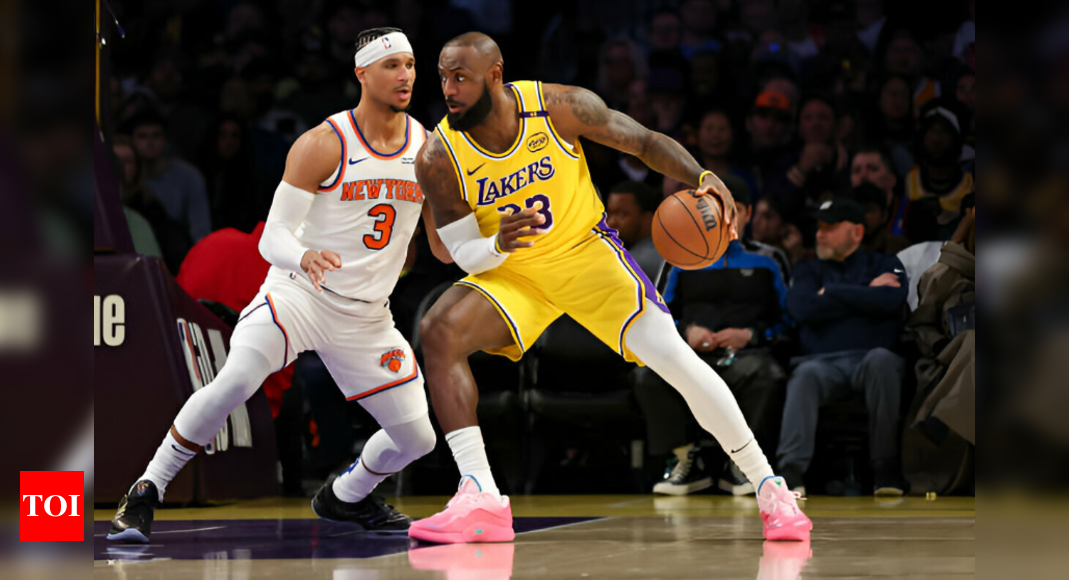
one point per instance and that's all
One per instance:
(577, 112)
(438, 181)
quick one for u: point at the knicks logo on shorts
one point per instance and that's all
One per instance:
(392, 360)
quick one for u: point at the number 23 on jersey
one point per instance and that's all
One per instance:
(540, 201)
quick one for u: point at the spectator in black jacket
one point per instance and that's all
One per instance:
(848, 305)
(730, 313)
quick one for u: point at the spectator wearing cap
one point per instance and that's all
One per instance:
(848, 306)
(769, 129)
(178, 185)
(938, 181)
(629, 210)
(874, 202)
(821, 165)
(731, 313)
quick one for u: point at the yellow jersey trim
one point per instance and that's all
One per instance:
(568, 149)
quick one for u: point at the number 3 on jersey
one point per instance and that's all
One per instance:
(531, 202)
(384, 215)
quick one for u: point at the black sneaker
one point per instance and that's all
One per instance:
(688, 476)
(133, 520)
(371, 513)
(733, 481)
(888, 480)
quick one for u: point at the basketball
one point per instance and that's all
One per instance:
(688, 230)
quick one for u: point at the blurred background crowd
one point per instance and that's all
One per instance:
(843, 320)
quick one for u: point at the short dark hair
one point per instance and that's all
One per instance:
(880, 149)
(141, 117)
(646, 197)
(365, 37)
(823, 98)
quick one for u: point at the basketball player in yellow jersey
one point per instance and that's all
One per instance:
(507, 182)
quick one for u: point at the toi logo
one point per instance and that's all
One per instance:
(52, 506)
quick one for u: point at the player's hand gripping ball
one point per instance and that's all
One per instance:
(691, 231)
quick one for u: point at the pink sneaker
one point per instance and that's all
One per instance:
(779, 511)
(471, 516)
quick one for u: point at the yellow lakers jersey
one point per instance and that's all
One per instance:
(950, 201)
(540, 170)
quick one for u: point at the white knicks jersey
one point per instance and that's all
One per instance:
(366, 212)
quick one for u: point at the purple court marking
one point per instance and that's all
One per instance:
(271, 539)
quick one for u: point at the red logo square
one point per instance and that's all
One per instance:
(52, 506)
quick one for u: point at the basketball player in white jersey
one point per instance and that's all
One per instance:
(336, 236)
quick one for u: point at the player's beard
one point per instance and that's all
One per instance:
(403, 109)
(471, 118)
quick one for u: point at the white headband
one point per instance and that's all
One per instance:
(382, 47)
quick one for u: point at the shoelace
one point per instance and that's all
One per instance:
(788, 499)
(460, 498)
(682, 469)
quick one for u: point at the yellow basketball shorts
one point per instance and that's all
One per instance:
(597, 283)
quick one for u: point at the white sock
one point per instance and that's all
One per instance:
(170, 458)
(656, 341)
(388, 451)
(357, 482)
(470, 455)
(752, 463)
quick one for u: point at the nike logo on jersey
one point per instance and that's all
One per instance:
(472, 172)
(351, 162)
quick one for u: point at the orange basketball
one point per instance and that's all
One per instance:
(689, 230)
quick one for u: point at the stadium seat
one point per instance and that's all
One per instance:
(580, 393)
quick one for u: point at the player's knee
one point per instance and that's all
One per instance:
(415, 438)
(435, 330)
(425, 440)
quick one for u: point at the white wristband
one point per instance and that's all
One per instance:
(470, 250)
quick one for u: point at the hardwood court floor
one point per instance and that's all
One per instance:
(583, 537)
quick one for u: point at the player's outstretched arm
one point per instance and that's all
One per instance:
(456, 223)
(578, 112)
(311, 161)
